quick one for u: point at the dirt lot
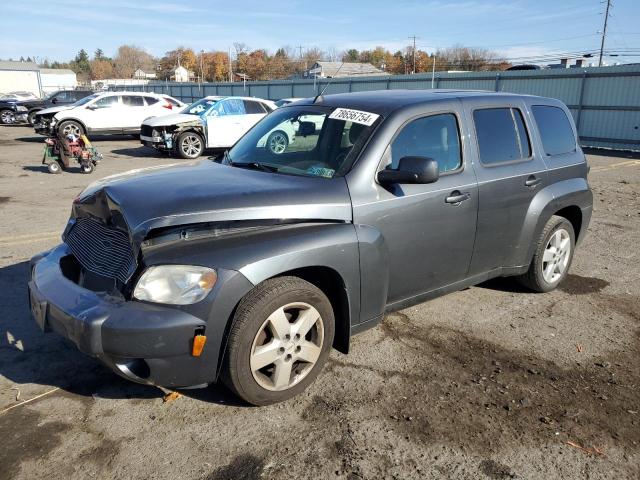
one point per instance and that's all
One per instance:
(491, 382)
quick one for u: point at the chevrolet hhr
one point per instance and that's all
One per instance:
(249, 267)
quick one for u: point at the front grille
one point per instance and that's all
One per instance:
(146, 130)
(101, 250)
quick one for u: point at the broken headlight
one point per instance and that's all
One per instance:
(175, 284)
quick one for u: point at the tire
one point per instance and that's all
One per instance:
(87, 168)
(54, 167)
(552, 257)
(189, 145)
(7, 117)
(31, 118)
(263, 319)
(71, 127)
(277, 142)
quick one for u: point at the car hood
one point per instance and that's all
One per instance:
(205, 191)
(53, 110)
(172, 119)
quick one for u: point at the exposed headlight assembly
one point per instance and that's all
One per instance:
(175, 284)
(21, 108)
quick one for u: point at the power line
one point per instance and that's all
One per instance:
(604, 31)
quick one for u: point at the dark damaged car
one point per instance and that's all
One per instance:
(251, 267)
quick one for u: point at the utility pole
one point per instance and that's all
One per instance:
(604, 31)
(414, 51)
(230, 66)
(299, 47)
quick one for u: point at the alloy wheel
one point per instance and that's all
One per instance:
(7, 117)
(556, 256)
(191, 145)
(287, 346)
(71, 129)
(278, 143)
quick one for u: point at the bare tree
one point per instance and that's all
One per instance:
(129, 58)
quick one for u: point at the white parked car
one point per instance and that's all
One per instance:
(286, 101)
(17, 96)
(112, 112)
(211, 122)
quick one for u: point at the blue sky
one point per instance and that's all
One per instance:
(57, 29)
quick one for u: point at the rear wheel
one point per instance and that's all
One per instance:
(281, 336)
(552, 257)
(190, 145)
(71, 127)
(7, 117)
(54, 167)
(277, 142)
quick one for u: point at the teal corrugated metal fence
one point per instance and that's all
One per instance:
(605, 102)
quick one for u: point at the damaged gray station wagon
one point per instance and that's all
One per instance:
(251, 266)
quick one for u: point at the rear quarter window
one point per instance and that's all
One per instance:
(555, 130)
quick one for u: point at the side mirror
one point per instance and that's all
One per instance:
(306, 128)
(411, 170)
(54, 100)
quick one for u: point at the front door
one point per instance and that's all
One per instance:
(104, 114)
(226, 123)
(428, 229)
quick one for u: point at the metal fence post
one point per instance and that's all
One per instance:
(580, 100)
(350, 85)
(496, 86)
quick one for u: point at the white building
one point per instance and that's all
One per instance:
(20, 77)
(181, 74)
(144, 75)
(28, 77)
(53, 79)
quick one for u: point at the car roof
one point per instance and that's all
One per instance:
(384, 102)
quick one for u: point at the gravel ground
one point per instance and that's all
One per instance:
(490, 382)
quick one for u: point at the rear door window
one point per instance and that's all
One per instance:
(133, 100)
(254, 107)
(435, 136)
(151, 100)
(502, 135)
(555, 130)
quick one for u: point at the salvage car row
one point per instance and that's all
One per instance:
(163, 122)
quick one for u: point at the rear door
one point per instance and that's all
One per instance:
(134, 111)
(256, 111)
(511, 171)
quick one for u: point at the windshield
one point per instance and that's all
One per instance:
(84, 100)
(201, 107)
(312, 141)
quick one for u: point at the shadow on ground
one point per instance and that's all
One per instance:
(29, 356)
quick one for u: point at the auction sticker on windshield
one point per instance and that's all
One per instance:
(355, 116)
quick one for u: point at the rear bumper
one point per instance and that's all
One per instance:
(144, 342)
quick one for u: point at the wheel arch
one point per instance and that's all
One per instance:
(571, 199)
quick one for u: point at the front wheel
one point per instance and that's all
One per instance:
(281, 336)
(71, 127)
(87, 167)
(552, 257)
(190, 145)
(31, 118)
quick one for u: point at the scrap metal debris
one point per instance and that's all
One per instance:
(171, 396)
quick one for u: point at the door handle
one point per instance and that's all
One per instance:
(532, 181)
(456, 197)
